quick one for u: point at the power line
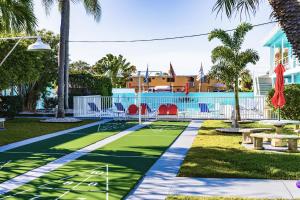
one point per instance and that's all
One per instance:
(160, 39)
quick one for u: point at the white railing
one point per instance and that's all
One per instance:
(188, 107)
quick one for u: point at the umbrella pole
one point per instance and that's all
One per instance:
(279, 115)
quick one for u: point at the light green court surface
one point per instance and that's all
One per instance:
(128, 159)
(20, 160)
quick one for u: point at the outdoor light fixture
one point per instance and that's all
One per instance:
(39, 45)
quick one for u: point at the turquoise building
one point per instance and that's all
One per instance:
(281, 51)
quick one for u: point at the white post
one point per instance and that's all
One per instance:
(107, 188)
(139, 98)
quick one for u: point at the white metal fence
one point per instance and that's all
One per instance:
(188, 107)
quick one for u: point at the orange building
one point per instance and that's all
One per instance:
(167, 83)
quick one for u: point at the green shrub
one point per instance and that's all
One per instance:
(291, 110)
(10, 106)
(83, 84)
(50, 102)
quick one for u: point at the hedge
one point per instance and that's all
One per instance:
(10, 106)
(291, 110)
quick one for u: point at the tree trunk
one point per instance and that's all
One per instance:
(236, 98)
(287, 12)
(67, 31)
(61, 63)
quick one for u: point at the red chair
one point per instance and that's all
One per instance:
(133, 109)
(163, 110)
(172, 109)
(144, 109)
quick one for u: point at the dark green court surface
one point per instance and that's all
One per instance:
(20, 160)
(128, 159)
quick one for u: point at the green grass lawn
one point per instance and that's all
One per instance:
(216, 155)
(128, 159)
(19, 129)
(25, 158)
(209, 198)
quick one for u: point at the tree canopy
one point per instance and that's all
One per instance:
(229, 61)
(117, 68)
(32, 72)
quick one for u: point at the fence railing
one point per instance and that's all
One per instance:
(188, 107)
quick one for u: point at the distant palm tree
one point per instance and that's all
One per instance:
(92, 7)
(17, 16)
(229, 61)
(287, 12)
(117, 68)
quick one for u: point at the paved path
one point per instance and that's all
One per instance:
(161, 181)
(47, 136)
(155, 183)
(18, 181)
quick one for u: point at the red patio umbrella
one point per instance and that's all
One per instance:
(278, 99)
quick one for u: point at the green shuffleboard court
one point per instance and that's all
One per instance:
(86, 178)
(20, 160)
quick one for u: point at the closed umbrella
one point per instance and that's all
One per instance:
(187, 88)
(278, 99)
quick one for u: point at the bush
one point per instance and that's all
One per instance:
(10, 106)
(291, 110)
(83, 84)
(50, 102)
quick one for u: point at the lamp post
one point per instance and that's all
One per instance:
(139, 92)
(37, 46)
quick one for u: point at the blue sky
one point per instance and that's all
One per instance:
(140, 19)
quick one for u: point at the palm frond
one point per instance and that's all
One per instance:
(17, 16)
(230, 7)
(221, 35)
(93, 8)
(240, 33)
(222, 53)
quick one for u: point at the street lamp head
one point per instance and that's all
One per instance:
(39, 46)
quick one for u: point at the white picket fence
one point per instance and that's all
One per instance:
(188, 107)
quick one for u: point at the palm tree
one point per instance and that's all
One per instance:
(229, 61)
(117, 68)
(17, 16)
(93, 8)
(287, 12)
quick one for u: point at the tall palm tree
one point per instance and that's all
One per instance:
(287, 12)
(230, 61)
(117, 68)
(17, 16)
(93, 8)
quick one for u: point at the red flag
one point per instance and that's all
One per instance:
(172, 72)
(278, 99)
(187, 88)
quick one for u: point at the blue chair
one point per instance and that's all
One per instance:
(120, 107)
(203, 107)
(93, 107)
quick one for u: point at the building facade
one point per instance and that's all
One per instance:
(281, 51)
(177, 84)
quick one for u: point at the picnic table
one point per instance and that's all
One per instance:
(292, 140)
(2, 120)
(279, 125)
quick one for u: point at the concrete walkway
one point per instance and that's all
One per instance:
(155, 183)
(161, 181)
(20, 180)
(47, 136)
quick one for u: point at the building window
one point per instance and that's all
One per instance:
(169, 80)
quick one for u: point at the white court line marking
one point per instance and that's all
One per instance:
(51, 135)
(5, 163)
(31, 175)
(74, 187)
(91, 154)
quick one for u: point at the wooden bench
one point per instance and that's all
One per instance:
(258, 140)
(2, 120)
